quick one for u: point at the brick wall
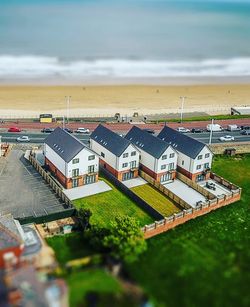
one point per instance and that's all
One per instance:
(190, 175)
(186, 215)
(66, 182)
(116, 173)
(241, 148)
(156, 176)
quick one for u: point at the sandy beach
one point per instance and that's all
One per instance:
(99, 100)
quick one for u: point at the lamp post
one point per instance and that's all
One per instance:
(182, 105)
(211, 132)
(68, 98)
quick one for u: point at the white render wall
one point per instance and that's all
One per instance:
(155, 164)
(55, 159)
(84, 163)
(66, 168)
(169, 160)
(112, 160)
(190, 164)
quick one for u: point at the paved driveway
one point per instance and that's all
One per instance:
(23, 192)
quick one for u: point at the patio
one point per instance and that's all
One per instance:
(135, 182)
(218, 190)
(87, 190)
(185, 192)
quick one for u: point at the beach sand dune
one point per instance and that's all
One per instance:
(126, 99)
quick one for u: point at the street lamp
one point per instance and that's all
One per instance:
(182, 105)
(68, 98)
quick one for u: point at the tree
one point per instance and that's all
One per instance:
(125, 240)
(83, 216)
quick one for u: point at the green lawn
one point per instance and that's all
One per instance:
(204, 262)
(156, 199)
(89, 281)
(106, 206)
(69, 247)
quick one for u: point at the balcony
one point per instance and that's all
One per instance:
(207, 170)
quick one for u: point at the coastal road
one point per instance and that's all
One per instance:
(202, 137)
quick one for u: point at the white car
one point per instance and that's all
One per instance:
(23, 138)
(82, 130)
(183, 130)
(226, 138)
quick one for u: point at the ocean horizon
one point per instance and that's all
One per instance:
(74, 40)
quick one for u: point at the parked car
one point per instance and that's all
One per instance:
(214, 127)
(47, 130)
(151, 131)
(233, 128)
(245, 127)
(68, 130)
(14, 129)
(245, 132)
(183, 130)
(197, 130)
(226, 138)
(23, 138)
(82, 130)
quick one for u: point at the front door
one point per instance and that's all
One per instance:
(166, 177)
(127, 176)
(90, 179)
(200, 177)
(75, 183)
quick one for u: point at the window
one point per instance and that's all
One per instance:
(124, 165)
(76, 160)
(125, 155)
(91, 169)
(75, 172)
(206, 165)
(199, 157)
(164, 157)
(132, 164)
(92, 157)
(171, 155)
(170, 166)
(198, 167)
(103, 154)
(182, 162)
(164, 166)
(207, 155)
(133, 153)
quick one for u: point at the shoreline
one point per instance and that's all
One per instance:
(106, 100)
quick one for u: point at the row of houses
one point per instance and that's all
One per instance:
(75, 164)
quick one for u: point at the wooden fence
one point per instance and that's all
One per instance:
(195, 186)
(164, 190)
(53, 184)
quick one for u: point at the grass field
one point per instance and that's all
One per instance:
(204, 262)
(156, 199)
(106, 206)
(90, 281)
(69, 247)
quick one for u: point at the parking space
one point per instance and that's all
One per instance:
(185, 192)
(23, 192)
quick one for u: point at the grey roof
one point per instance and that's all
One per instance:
(64, 144)
(147, 142)
(110, 140)
(181, 142)
(10, 235)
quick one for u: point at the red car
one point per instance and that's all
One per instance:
(14, 129)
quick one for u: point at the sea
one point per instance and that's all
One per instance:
(70, 40)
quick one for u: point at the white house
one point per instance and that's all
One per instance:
(194, 157)
(70, 160)
(118, 155)
(157, 158)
